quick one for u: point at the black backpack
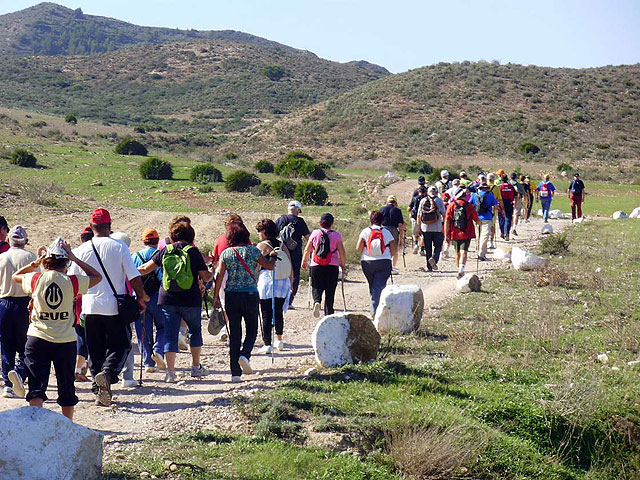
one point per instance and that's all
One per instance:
(482, 204)
(287, 233)
(150, 281)
(460, 216)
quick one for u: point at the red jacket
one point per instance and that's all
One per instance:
(472, 216)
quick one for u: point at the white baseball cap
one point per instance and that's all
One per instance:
(296, 204)
(444, 173)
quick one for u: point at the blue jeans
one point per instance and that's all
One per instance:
(81, 344)
(546, 206)
(153, 316)
(14, 322)
(505, 219)
(239, 306)
(172, 315)
(377, 273)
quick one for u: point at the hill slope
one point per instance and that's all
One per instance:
(469, 109)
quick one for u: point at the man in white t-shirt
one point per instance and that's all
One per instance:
(108, 338)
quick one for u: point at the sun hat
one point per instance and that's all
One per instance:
(444, 173)
(392, 198)
(150, 234)
(18, 234)
(463, 174)
(55, 250)
(459, 193)
(432, 190)
(547, 176)
(100, 216)
(421, 180)
(295, 204)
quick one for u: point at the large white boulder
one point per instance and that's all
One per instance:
(555, 214)
(523, 260)
(344, 338)
(469, 283)
(400, 309)
(539, 212)
(37, 443)
(502, 253)
(619, 214)
(547, 228)
(635, 213)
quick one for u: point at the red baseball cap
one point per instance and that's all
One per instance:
(100, 216)
(86, 230)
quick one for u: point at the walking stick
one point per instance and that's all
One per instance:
(344, 300)
(142, 346)
(404, 244)
(273, 310)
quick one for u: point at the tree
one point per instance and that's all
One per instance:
(71, 119)
(129, 146)
(23, 158)
(154, 168)
(273, 72)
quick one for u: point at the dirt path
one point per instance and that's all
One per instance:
(158, 408)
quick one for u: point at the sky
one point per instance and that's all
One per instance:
(405, 34)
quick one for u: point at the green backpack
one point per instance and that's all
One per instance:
(176, 269)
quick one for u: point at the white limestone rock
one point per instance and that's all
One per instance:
(400, 309)
(619, 215)
(469, 283)
(547, 229)
(539, 212)
(502, 253)
(555, 214)
(523, 260)
(39, 443)
(635, 213)
(344, 338)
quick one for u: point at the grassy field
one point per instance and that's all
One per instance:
(503, 384)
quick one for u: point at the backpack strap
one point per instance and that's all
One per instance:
(34, 280)
(74, 283)
(244, 264)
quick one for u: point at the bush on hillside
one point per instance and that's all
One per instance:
(556, 244)
(311, 193)
(528, 147)
(273, 72)
(71, 119)
(241, 181)
(260, 190)
(414, 166)
(564, 167)
(129, 146)
(205, 173)
(23, 158)
(283, 188)
(154, 168)
(264, 166)
(302, 165)
(230, 155)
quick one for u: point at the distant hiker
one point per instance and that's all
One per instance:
(292, 229)
(508, 193)
(4, 231)
(464, 179)
(518, 211)
(51, 338)
(532, 190)
(179, 297)
(486, 206)
(576, 196)
(418, 194)
(430, 215)
(14, 311)
(377, 246)
(455, 185)
(459, 227)
(393, 221)
(241, 261)
(108, 335)
(152, 352)
(325, 253)
(545, 191)
(443, 184)
(82, 365)
(527, 198)
(495, 190)
(268, 288)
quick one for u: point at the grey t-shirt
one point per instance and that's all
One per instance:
(437, 226)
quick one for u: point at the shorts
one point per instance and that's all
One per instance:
(394, 232)
(518, 208)
(462, 245)
(172, 315)
(414, 227)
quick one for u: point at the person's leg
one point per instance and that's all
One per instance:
(279, 317)
(368, 271)
(63, 361)
(508, 215)
(546, 205)
(156, 319)
(485, 226)
(317, 283)
(579, 207)
(21, 326)
(81, 350)
(296, 262)
(193, 318)
(250, 314)
(234, 304)
(6, 343)
(380, 277)
(396, 235)
(428, 245)
(145, 338)
(331, 283)
(267, 313)
(118, 346)
(438, 239)
(38, 363)
(96, 338)
(171, 318)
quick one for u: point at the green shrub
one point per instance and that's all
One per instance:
(264, 166)
(230, 155)
(556, 244)
(528, 147)
(564, 167)
(23, 158)
(153, 168)
(71, 118)
(206, 188)
(302, 165)
(241, 181)
(205, 173)
(139, 129)
(273, 72)
(129, 146)
(39, 124)
(283, 188)
(260, 190)
(414, 166)
(310, 193)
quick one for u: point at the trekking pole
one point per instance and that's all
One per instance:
(344, 299)
(141, 343)
(404, 244)
(273, 310)
(309, 292)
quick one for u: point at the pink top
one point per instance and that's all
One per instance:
(334, 239)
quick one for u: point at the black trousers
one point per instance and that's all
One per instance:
(239, 306)
(433, 245)
(108, 344)
(296, 262)
(39, 355)
(324, 279)
(267, 318)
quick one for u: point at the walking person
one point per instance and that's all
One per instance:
(377, 246)
(431, 212)
(14, 313)
(4, 232)
(241, 262)
(412, 209)
(393, 221)
(518, 205)
(459, 227)
(272, 290)
(545, 191)
(531, 195)
(324, 255)
(486, 205)
(576, 193)
(180, 296)
(508, 194)
(443, 184)
(82, 365)
(296, 232)
(495, 190)
(51, 338)
(108, 335)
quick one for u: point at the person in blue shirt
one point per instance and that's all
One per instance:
(152, 352)
(485, 203)
(545, 192)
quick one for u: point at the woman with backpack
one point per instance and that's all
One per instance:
(459, 227)
(377, 247)
(324, 252)
(545, 192)
(430, 214)
(273, 283)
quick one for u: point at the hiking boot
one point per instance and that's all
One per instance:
(506, 237)
(423, 252)
(103, 397)
(267, 349)
(432, 264)
(245, 365)
(160, 363)
(482, 258)
(460, 275)
(279, 345)
(128, 383)
(236, 379)
(316, 310)
(170, 377)
(395, 271)
(199, 371)
(8, 393)
(16, 381)
(182, 342)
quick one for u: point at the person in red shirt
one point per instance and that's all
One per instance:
(4, 231)
(459, 227)
(509, 195)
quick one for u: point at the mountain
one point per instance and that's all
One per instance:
(469, 109)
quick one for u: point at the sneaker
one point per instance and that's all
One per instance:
(199, 371)
(160, 363)
(128, 383)
(433, 264)
(236, 379)
(482, 258)
(182, 342)
(8, 393)
(506, 237)
(514, 232)
(150, 369)
(170, 377)
(291, 307)
(316, 310)
(415, 249)
(279, 345)
(245, 365)
(460, 274)
(492, 246)
(267, 349)
(395, 271)
(16, 381)
(103, 397)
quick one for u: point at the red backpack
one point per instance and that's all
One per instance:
(322, 253)
(507, 191)
(374, 248)
(544, 190)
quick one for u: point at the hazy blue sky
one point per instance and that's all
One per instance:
(403, 34)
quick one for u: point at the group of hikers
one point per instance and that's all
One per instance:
(76, 308)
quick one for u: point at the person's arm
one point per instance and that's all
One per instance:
(268, 262)
(148, 267)
(222, 268)
(343, 256)
(19, 275)
(393, 247)
(360, 244)
(306, 255)
(205, 275)
(94, 276)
